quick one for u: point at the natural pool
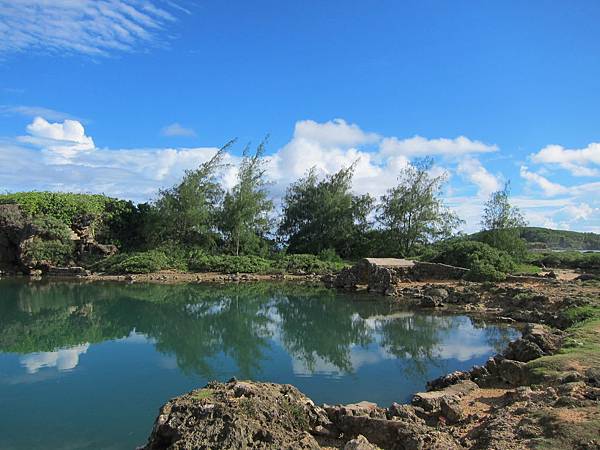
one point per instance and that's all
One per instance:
(86, 366)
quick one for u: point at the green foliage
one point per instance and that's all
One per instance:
(545, 238)
(201, 262)
(304, 263)
(139, 262)
(505, 239)
(582, 313)
(413, 212)
(203, 394)
(568, 260)
(244, 218)
(485, 262)
(330, 255)
(114, 221)
(324, 214)
(499, 214)
(53, 252)
(51, 244)
(187, 213)
(64, 207)
(485, 271)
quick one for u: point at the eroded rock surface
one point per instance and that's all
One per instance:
(240, 415)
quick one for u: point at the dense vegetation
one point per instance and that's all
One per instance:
(198, 225)
(544, 238)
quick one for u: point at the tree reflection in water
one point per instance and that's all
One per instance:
(199, 324)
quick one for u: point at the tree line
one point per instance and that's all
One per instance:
(317, 213)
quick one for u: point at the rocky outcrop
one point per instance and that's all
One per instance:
(12, 228)
(241, 415)
(18, 233)
(383, 275)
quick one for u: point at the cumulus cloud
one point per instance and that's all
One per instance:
(92, 27)
(418, 146)
(63, 359)
(61, 141)
(63, 156)
(578, 162)
(177, 130)
(473, 170)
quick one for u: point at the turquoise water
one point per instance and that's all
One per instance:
(88, 365)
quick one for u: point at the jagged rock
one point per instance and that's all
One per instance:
(447, 380)
(431, 302)
(360, 443)
(382, 275)
(437, 293)
(239, 415)
(587, 277)
(451, 410)
(512, 372)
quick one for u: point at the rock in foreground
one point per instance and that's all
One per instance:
(239, 415)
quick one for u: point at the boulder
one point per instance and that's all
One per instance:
(239, 414)
(360, 443)
(512, 372)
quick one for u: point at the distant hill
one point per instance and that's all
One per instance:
(545, 238)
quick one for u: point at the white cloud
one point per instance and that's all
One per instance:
(473, 170)
(548, 187)
(61, 141)
(580, 211)
(576, 161)
(92, 27)
(335, 133)
(63, 156)
(34, 111)
(418, 146)
(63, 359)
(177, 130)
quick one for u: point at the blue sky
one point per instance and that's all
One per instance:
(121, 96)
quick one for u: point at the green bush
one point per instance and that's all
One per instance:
(130, 263)
(114, 221)
(569, 260)
(51, 243)
(485, 263)
(330, 255)
(484, 271)
(201, 262)
(305, 263)
(53, 252)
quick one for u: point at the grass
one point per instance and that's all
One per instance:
(203, 394)
(580, 351)
(526, 269)
(564, 427)
(296, 414)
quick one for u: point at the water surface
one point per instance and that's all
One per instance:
(88, 365)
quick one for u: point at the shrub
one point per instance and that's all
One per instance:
(330, 255)
(569, 260)
(304, 263)
(484, 271)
(140, 262)
(485, 263)
(201, 262)
(54, 252)
(51, 243)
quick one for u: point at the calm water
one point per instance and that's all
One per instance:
(88, 365)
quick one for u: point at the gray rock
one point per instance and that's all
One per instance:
(512, 372)
(360, 443)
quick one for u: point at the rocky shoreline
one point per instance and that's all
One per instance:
(511, 402)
